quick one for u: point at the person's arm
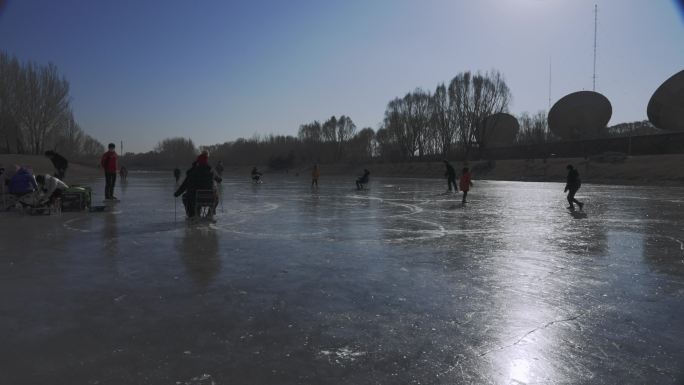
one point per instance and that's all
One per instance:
(182, 187)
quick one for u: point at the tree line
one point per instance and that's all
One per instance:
(35, 112)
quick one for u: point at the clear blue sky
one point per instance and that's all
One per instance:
(141, 71)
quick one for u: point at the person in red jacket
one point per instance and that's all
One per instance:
(465, 182)
(108, 164)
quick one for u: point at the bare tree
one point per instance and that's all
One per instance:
(418, 119)
(310, 132)
(43, 99)
(443, 119)
(474, 98)
(329, 130)
(345, 132)
(534, 129)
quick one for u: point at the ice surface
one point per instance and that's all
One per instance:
(397, 284)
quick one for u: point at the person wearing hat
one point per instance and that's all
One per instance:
(199, 177)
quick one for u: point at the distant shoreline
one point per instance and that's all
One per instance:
(655, 170)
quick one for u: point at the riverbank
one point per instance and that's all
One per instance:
(635, 170)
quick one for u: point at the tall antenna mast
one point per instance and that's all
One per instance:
(549, 82)
(595, 29)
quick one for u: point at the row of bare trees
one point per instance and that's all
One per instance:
(452, 118)
(35, 114)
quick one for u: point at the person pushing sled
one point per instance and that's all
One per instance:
(200, 196)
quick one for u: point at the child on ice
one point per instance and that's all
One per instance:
(465, 182)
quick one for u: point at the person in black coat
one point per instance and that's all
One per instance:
(59, 162)
(450, 174)
(573, 183)
(199, 177)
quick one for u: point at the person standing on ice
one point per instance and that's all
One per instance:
(573, 183)
(450, 174)
(315, 174)
(108, 163)
(176, 174)
(219, 169)
(465, 182)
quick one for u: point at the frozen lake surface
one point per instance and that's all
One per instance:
(397, 284)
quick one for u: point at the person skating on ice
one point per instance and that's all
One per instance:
(573, 183)
(450, 174)
(465, 182)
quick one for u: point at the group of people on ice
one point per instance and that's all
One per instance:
(465, 181)
(201, 176)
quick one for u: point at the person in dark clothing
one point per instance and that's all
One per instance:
(362, 180)
(176, 174)
(123, 173)
(59, 162)
(450, 174)
(199, 177)
(23, 182)
(109, 163)
(256, 175)
(219, 168)
(573, 184)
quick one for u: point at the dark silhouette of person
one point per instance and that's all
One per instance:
(176, 174)
(315, 174)
(199, 177)
(123, 173)
(59, 162)
(362, 180)
(256, 175)
(466, 182)
(109, 163)
(450, 174)
(219, 168)
(573, 184)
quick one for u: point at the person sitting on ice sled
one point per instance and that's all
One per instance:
(199, 177)
(52, 188)
(256, 175)
(23, 187)
(362, 180)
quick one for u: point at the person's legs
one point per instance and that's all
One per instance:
(452, 182)
(188, 203)
(107, 182)
(572, 200)
(465, 194)
(580, 204)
